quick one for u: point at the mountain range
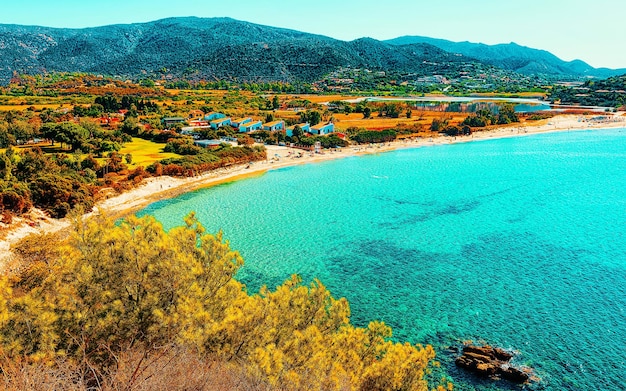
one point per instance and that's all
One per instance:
(514, 57)
(224, 48)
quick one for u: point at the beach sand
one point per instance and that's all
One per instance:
(154, 189)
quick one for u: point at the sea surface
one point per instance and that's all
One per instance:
(517, 242)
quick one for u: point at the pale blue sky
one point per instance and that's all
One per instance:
(593, 31)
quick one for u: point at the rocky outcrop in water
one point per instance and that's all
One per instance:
(493, 363)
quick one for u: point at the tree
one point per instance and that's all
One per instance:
(275, 102)
(49, 131)
(297, 131)
(132, 111)
(370, 136)
(32, 162)
(147, 83)
(6, 138)
(6, 167)
(114, 163)
(15, 197)
(71, 134)
(68, 133)
(390, 110)
(439, 124)
(313, 117)
(58, 195)
(130, 126)
(89, 162)
(507, 114)
(451, 131)
(130, 286)
(93, 129)
(367, 112)
(21, 130)
(115, 286)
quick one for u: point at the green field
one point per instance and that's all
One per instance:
(145, 152)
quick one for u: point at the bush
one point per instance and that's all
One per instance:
(131, 290)
(375, 136)
(15, 198)
(182, 146)
(58, 195)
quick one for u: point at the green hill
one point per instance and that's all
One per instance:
(514, 57)
(227, 49)
(200, 48)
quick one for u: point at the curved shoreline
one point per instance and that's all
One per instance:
(164, 187)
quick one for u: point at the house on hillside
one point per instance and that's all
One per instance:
(306, 128)
(218, 123)
(213, 116)
(240, 121)
(110, 120)
(170, 121)
(196, 114)
(250, 126)
(275, 125)
(323, 129)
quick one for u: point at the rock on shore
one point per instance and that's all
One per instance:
(493, 363)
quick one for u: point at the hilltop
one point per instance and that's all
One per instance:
(513, 57)
(193, 48)
(200, 48)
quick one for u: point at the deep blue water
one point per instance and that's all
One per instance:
(518, 242)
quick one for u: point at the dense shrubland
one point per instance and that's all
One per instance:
(118, 305)
(608, 93)
(485, 117)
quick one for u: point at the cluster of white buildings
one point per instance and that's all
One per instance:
(215, 120)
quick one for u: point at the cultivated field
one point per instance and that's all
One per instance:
(145, 152)
(423, 119)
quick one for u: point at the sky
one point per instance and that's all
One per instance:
(592, 31)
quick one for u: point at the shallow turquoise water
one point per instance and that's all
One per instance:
(519, 242)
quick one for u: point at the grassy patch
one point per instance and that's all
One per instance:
(145, 152)
(45, 147)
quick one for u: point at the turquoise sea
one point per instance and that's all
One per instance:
(518, 242)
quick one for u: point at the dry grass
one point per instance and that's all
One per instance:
(25, 106)
(173, 369)
(46, 147)
(345, 121)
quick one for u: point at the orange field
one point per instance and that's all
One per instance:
(345, 121)
(37, 107)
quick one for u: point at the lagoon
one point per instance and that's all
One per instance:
(518, 242)
(469, 104)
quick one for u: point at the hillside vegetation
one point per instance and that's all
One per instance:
(217, 49)
(513, 57)
(609, 93)
(105, 307)
(195, 48)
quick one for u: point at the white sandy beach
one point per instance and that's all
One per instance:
(154, 189)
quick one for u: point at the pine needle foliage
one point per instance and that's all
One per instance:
(131, 289)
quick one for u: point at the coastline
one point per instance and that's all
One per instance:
(158, 188)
